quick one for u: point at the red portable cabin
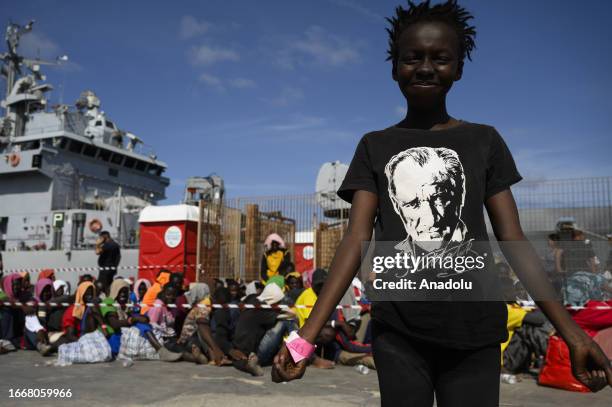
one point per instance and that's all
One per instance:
(168, 239)
(304, 251)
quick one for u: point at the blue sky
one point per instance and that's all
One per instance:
(262, 93)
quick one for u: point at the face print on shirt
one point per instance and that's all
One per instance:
(427, 189)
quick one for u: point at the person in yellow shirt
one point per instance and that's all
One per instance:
(275, 258)
(307, 299)
(532, 329)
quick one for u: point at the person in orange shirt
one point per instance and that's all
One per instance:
(163, 277)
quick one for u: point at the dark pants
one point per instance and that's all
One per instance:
(6, 324)
(106, 277)
(410, 372)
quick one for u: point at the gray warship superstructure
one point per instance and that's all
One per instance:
(66, 172)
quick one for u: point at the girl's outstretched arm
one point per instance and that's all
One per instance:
(589, 363)
(343, 268)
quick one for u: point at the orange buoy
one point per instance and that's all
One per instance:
(14, 159)
(95, 225)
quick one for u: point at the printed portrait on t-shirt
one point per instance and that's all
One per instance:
(427, 188)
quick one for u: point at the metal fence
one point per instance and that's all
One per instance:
(234, 238)
(235, 248)
(588, 200)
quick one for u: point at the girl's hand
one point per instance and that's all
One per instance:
(284, 369)
(590, 365)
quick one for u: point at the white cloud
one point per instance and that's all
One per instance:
(319, 47)
(207, 55)
(287, 96)
(241, 83)
(221, 84)
(299, 123)
(190, 27)
(364, 11)
(211, 80)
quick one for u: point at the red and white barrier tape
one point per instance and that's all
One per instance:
(187, 306)
(238, 306)
(93, 269)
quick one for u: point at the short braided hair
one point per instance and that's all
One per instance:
(449, 12)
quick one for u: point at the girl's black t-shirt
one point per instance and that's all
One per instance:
(417, 172)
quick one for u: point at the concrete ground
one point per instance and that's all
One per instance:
(184, 384)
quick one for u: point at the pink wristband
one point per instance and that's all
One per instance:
(299, 348)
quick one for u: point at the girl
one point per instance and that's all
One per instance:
(422, 184)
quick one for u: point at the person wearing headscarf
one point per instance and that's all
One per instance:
(12, 318)
(252, 325)
(253, 289)
(26, 285)
(196, 340)
(278, 280)
(46, 273)
(36, 324)
(74, 321)
(285, 323)
(138, 293)
(86, 322)
(43, 286)
(55, 314)
(275, 258)
(163, 278)
(160, 317)
(61, 288)
(116, 314)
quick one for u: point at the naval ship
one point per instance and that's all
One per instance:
(66, 172)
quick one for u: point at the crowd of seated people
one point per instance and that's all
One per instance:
(582, 283)
(170, 319)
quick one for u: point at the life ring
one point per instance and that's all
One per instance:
(95, 225)
(14, 159)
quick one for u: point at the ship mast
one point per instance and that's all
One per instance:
(17, 84)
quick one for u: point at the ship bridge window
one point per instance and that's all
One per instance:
(75, 146)
(129, 162)
(141, 165)
(154, 170)
(29, 145)
(104, 155)
(90, 151)
(117, 159)
(110, 124)
(98, 122)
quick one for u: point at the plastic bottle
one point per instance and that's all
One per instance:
(362, 369)
(508, 378)
(127, 363)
